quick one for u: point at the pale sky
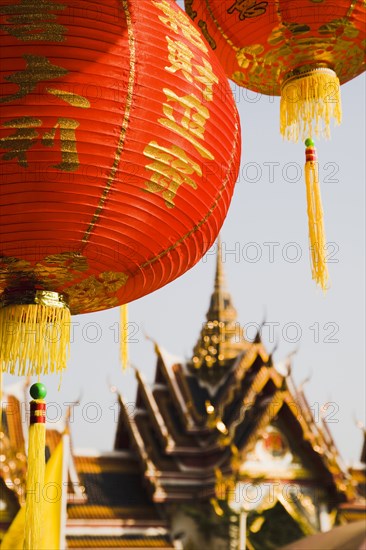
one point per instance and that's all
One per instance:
(265, 251)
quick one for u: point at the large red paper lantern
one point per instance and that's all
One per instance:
(301, 50)
(120, 147)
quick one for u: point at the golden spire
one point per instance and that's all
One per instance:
(221, 308)
(221, 334)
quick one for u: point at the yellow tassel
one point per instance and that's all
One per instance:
(35, 486)
(310, 99)
(35, 470)
(317, 238)
(34, 337)
(124, 336)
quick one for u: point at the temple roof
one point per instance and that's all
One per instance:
(210, 423)
(115, 496)
(210, 432)
(113, 488)
(210, 413)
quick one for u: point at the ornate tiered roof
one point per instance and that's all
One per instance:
(207, 414)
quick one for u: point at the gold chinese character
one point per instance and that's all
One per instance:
(38, 68)
(192, 122)
(32, 20)
(248, 9)
(195, 114)
(180, 57)
(171, 169)
(208, 78)
(19, 143)
(178, 22)
(66, 127)
(72, 99)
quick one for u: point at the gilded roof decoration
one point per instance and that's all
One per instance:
(221, 335)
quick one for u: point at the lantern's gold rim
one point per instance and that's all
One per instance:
(307, 70)
(33, 297)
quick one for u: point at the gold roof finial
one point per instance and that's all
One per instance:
(219, 276)
(221, 308)
(221, 334)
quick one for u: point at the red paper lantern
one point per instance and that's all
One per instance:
(264, 45)
(301, 50)
(120, 147)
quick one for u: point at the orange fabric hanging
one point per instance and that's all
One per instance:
(115, 178)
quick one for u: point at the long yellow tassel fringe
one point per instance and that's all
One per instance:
(309, 102)
(35, 475)
(34, 339)
(317, 238)
(124, 336)
(35, 486)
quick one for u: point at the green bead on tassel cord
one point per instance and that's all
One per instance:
(38, 390)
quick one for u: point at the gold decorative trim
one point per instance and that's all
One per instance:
(33, 297)
(66, 272)
(307, 70)
(125, 123)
